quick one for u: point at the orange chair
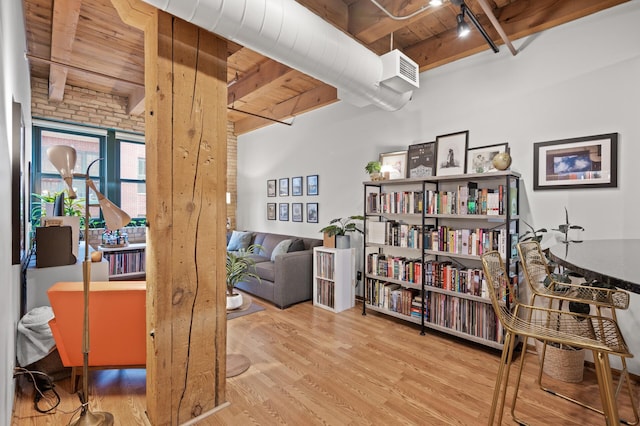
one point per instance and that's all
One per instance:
(117, 324)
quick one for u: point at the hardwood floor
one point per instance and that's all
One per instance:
(310, 366)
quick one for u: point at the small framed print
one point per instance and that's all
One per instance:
(284, 212)
(312, 212)
(271, 211)
(296, 212)
(452, 153)
(480, 159)
(585, 162)
(312, 185)
(422, 159)
(283, 187)
(271, 188)
(296, 185)
(394, 163)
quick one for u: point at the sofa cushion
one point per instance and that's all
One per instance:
(296, 245)
(270, 242)
(281, 248)
(266, 270)
(239, 240)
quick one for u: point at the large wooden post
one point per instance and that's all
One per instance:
(185, 126)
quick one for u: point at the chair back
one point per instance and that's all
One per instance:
(534, 264)
(498, 284)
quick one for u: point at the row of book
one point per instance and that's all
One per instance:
(324, 264)
(472, 242)
(325, 292)
(394, 233)
(467, 199)
(126, 262)
(401, 202)
(392, 297)
(396, 267)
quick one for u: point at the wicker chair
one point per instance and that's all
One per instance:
(536, 271)
(598, 334)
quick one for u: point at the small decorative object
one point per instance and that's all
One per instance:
(452, 153)
(587, 162)
(395, 163)
(296, 185)
(502, 161)
(339, 227)
(480, 159)
(565, 227)
(422, 159)
(239, 267)
(312, 185)
(373, 168)
(115, 238)
(312, 212)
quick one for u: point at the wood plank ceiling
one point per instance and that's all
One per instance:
(84, 43)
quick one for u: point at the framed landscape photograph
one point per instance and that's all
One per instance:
(296, 185)
(283, 187)
(422, 159)
(312, 212)
(271, 211)
(284, 212)
(271, 188)
(394, 163)
(586, 162)
(296, 212)
(480, 159)
(312, 185)
(452, 153)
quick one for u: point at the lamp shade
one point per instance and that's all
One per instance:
(63, 158)
(114, 216)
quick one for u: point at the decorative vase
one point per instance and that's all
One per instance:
(343, 242)
(375, 176)
(502, 161)
(234, 302)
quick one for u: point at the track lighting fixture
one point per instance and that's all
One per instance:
(463, 28)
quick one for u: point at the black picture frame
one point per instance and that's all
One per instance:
(283, 187)
(296, 212)
(451, 157)
(312, 212)
(422, 160)
(296, 186)
(271, 188)
(271, 211)
(480, 158)
(312, 185)
(283, 212)
(583, 162)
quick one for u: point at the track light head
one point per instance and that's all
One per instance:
(463, 28)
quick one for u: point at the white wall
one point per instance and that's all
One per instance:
(14, 86)
(580, 79)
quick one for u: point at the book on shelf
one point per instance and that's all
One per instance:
(376, 232)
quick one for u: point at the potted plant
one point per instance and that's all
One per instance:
(373, 168)
(337, 229)
(240, 266)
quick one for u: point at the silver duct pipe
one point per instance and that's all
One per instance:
(289, 33)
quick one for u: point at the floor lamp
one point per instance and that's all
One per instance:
(64, 159)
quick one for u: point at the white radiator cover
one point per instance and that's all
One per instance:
(287, 32)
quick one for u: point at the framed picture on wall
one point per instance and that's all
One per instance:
(296, 212)
(283, 187)
(452, 153)
(312, 212)
(312, 185)
(585, 162)
(271, 211)
(422, 159)
(394, 163)
(284, 212)
(296, 185)
(480, 159)
(271, 188)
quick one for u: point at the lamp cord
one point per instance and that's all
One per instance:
(42, 383)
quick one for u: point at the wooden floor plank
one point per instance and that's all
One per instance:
(313, 367)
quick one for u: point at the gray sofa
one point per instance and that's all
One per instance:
(288, 279)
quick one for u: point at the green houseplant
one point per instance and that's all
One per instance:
(240, 266)
(373, 168)
(339, 228)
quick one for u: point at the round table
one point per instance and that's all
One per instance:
(238, 363)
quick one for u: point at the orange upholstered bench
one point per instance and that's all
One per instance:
(117, 324)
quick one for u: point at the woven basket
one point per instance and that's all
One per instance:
(566, 365)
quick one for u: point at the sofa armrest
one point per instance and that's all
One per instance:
(293, 278)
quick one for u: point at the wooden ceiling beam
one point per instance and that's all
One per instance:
(135, 102)
(63, 33)
(268, 73)
(312, 99)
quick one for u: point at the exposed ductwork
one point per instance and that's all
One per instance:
(289, 33)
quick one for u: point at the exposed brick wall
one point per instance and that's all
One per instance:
(88, 107)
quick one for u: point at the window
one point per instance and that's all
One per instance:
(120, 175)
